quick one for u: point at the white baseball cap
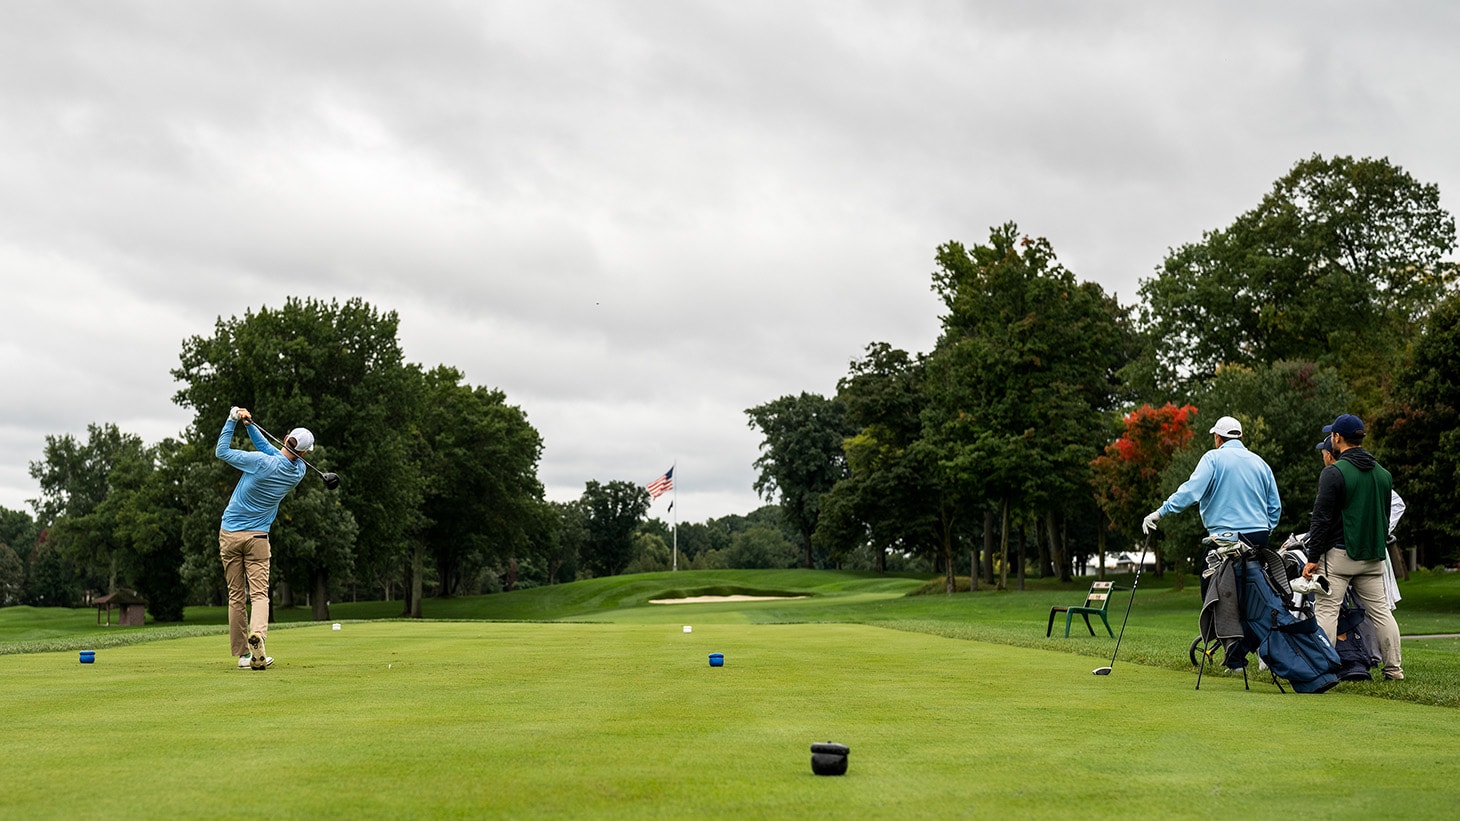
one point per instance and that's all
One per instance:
(1226, 427)
(303, 440)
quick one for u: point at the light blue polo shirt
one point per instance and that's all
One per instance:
(268, 476)
(1234, 490)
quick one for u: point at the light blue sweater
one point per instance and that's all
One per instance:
(268, 476)
(1234, 490)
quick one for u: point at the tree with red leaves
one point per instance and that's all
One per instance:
(1127, 476)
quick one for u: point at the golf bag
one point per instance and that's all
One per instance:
(1250, 607)
(1353, 649)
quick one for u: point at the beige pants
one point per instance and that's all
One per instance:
(1367, 579)
(245, 555)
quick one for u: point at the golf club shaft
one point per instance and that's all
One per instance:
(1133, 586)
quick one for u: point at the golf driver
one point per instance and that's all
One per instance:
(1105, 671)
(331, 480)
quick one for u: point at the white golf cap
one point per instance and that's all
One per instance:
(1226, 427)
(303, 440)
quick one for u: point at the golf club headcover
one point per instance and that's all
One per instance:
(829, 758)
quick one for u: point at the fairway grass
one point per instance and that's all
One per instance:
(627, 720)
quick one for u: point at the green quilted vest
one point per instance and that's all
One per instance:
(1366, 498)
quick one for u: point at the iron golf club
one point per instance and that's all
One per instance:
(331, 480)
(1105, 671)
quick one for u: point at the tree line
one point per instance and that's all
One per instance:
(1049, 418)
(440, 494)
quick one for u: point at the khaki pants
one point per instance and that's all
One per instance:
(245, 556)
(1367, 579)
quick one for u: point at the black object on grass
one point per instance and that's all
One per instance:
(829, 758)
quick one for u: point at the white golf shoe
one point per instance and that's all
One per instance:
(257, 658)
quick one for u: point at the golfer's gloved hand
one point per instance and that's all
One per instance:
(238, 414)
(1150, 523)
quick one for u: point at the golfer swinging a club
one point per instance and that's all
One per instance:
(243, 540)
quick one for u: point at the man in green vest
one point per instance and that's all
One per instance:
(1348, 535)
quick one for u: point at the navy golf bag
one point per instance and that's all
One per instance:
(1251, 608)
(1292, 644)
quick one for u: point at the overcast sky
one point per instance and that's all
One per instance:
(638, 219)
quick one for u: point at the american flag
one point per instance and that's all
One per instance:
(662, 485)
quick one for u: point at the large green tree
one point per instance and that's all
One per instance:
(888, 501)
(18, 535)
(1022, 378)
(1337, 264)
(801, 457)
(149, 523)
(337, 369)
(614, 512)
(84, 486)
(1419, 439)
(483, 503)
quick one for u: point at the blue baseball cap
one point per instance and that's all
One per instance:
(1346, 426)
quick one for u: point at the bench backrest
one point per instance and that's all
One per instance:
(1099, 594)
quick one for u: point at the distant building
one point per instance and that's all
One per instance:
(132, 608)
(1122, 561)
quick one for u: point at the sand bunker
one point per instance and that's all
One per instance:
(699, 599)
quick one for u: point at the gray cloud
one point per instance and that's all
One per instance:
(636, 218)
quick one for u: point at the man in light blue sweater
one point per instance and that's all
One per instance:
(269, 474)
(1231, 486)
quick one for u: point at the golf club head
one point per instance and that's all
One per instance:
(1101, 671)
(331, 480)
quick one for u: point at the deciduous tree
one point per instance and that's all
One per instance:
(482, 500)
(1338, 264)
(1021, 377)
(1419, 439)
(614, 512)
(801, 457)
(889, 500)
(84, 485)
(1127, 476)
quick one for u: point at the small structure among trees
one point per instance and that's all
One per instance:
(132, 607)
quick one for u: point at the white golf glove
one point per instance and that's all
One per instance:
(233, 412)
(1150, 523)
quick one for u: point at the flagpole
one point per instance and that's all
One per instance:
(674, 520)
